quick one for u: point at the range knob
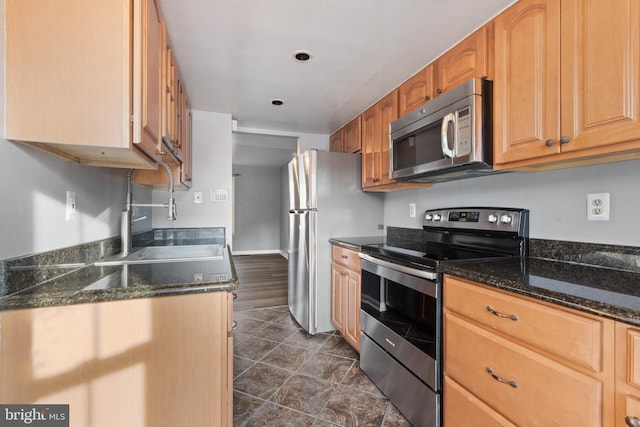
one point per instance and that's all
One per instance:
(493, 218)
(437, 217)
(428, 217)
(506, 219)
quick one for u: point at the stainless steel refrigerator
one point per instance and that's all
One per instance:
(325, 200)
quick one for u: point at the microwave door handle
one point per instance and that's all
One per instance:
(444, 135)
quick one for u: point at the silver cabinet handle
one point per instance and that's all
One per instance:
(234, 325)
(501, 380)
(632, 421)
(497, 313)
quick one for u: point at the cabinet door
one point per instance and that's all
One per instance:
(352, 136)
(352, 307)
(370, 145)
(335, 142)
(145, 361)
(461, 408)
(416, 90)
(375, 141)
(627, 373)
(188, 148)
(527, 83)
(600, 73)
(150, 108)
(466, 60)
(387, 111)
(169, 98)
(337, 298)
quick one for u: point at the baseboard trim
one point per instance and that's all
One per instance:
(260, 252)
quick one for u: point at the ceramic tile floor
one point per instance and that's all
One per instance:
(285, 377)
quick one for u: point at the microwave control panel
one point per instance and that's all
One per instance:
(463, 132)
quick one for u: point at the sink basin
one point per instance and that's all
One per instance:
(154, 254)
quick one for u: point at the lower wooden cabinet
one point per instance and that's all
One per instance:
(163, 361)
(627, 374)
(516, 361)
(345, 294)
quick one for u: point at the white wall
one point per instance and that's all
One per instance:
(211, 170)
(556, 199)
(257, 209)
(307, 141)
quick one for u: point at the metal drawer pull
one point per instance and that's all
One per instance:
(234, 325)
(632, 421)
(503, 381)
(497, 313)
(234, 295)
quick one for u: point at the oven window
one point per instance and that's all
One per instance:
(407, 312)
(420, 147)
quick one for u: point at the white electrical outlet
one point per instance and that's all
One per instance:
(598, 207)
(70, 211)
(412, 210)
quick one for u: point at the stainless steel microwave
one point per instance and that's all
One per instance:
(447, 138)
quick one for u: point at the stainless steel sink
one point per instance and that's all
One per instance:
(155, 254)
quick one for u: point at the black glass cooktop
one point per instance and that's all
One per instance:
(427, 254)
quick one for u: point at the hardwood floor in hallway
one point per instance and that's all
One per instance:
(263, 281)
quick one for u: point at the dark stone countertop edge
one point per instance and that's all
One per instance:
(18, 302)
(356, 243)
(470, 271)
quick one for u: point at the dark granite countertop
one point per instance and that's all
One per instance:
(30, 283)
(356, 243)
(607, 292)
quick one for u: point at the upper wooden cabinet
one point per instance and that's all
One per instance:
(375, 146)
(471, 58)
(415, 91)
(335, 141)
(177, 154)
(83, 79)
(352, 142)
(566, 83)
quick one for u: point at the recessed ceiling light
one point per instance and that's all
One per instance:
(277, 102)
(302, 55)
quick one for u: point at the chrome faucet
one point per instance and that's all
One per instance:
(125, 215)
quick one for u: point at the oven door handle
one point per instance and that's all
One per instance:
(429, 275)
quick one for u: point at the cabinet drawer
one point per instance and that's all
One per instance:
(576, 337)
(544, 392)
(633, 356)
(461, 408)
(347, 257)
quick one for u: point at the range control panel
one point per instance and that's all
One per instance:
(499, 219)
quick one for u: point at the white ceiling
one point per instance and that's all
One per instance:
(235, 56)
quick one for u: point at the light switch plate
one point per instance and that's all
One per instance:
(71, 205)
(197, 197)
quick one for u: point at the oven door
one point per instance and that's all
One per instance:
(400, 338)
(400, 312)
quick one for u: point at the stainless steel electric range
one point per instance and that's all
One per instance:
(401, 303)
